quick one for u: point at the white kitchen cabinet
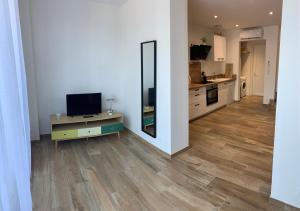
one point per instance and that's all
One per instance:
(219, 48)
(230, 96)
(212, 107)
(223, 94)
(197, 99)
(197, 102)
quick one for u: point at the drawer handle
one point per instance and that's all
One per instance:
(196, 90)
(197, 105)
(196, 95)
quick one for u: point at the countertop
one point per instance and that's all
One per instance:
(197, 86)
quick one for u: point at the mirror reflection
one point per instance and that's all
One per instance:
(148, 56)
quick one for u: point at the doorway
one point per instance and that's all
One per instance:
(253, 63)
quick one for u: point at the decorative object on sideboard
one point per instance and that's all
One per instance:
(58, 115)
(110, 101)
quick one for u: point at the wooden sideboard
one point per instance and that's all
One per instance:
(81, 127)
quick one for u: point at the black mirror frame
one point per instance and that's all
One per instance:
(155, 89)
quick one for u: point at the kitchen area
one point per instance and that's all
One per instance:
(233, 68)
(210, 90)
(231, 58)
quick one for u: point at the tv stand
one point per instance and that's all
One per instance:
(83, 127)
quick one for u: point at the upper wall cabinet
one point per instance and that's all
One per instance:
(219, 48)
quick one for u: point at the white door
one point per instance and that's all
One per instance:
(258, 69)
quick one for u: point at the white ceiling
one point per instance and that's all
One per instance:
(245, 13)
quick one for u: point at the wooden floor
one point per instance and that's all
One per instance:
(228, 168)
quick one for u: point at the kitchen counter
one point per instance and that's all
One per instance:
(203, 101)
(197, 86)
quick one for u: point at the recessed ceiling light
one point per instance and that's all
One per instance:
(271, 13)
(215, 16)
(237, 25)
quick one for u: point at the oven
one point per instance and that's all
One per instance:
(212, 94)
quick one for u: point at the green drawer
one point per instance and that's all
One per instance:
(112, 128)
(64, 135)
(148, 120)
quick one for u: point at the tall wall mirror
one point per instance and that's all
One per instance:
(148, 61)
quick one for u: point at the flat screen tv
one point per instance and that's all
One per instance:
(151, 97)
(83, 104)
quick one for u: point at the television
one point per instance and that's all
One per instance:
(83, 104)
(151, 97)
(199, 52)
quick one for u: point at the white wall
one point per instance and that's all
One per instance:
(271, 35)
(195, 34)
(286, 167)
(233, 56)
(143, 20)
(75, 50)
(179, 75)
(87, 46)
(25, 12)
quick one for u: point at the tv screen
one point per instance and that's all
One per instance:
(151, 97)
(83, 104)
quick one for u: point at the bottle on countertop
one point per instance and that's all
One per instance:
(203, 78)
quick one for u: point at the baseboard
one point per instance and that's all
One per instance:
(180, 151)
(143, 141)
(295, 205)
(159, 151)
(42, 137)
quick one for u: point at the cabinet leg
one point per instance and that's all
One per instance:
(119, 135)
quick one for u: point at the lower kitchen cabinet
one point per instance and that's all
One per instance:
(197, 99)
(230, 96)
(197, 102)
(223, 94)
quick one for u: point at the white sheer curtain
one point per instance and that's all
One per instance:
(15, 155)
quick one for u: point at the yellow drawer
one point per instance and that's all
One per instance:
(95, 131)
(64, 135)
